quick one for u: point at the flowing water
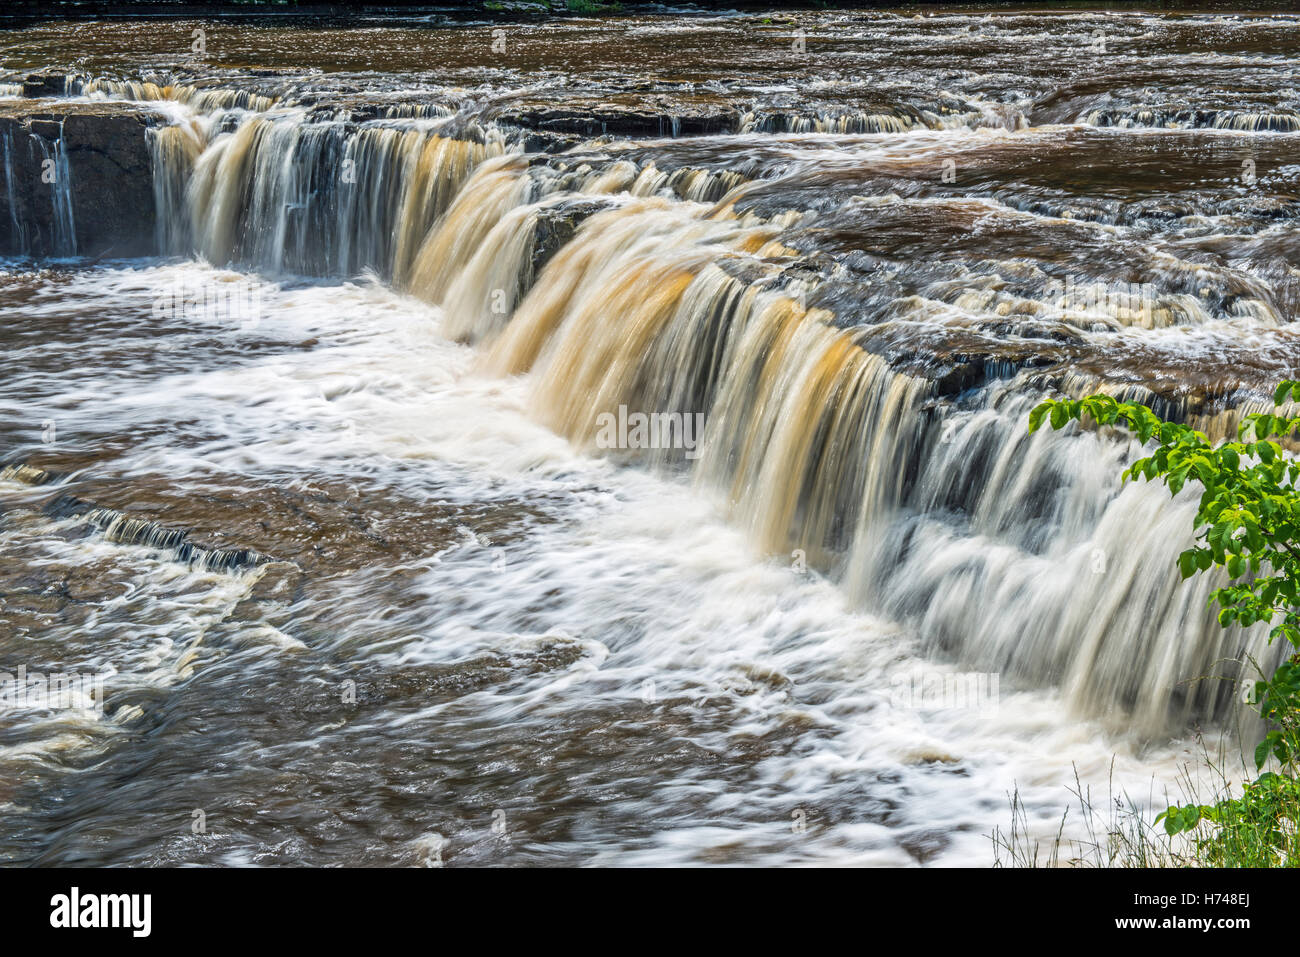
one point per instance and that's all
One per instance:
(346, 497)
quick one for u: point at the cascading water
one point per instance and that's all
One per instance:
(318, 199)
(1005, 552)
(836, 316)
(50, 180)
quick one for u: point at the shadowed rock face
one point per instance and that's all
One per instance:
(631, 119)
(78, 180)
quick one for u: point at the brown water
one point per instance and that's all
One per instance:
(365, 583)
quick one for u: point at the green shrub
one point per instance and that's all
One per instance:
(1248, 522)
(592, 7)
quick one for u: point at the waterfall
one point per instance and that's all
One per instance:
(17, 227)
(1018, 553)
(285, 195)
(616, 286)
(444, 254)
(1132, 117)
(55, 159)
(41, 165)
(175, 150)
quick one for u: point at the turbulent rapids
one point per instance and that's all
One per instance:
(344, 478)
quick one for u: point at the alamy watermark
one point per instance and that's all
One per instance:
(945, 691)
(75, 691)
(650, 430)
(75, 910)
(237, 302)
(1131, 301)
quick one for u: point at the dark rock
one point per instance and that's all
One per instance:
(539, 142)
(271, 595)
(556, 226)
(77, 180)
(619, 121)
(50, 84)
(925, 844)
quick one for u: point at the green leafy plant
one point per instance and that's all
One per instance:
(1248, 523)
(593, 7)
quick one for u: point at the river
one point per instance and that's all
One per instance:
(346, 493)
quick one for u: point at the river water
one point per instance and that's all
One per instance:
(321, 495)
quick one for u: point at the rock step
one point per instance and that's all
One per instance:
(77, 180)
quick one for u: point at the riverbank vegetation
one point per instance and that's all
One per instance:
(1247, 529)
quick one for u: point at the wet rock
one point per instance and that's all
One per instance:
(537, 141)
(279, 582)
(556, 226)
(271, 595)
(925, 845)
(78, 180)
(418, 686)
(635, 121)
(52, 83)
(128, 528)
(25, 474)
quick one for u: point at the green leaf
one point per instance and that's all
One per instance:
(1263, 748)
(1036, 417)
